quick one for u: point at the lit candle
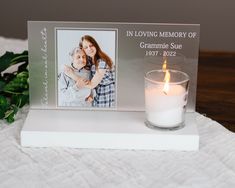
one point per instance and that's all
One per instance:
(165, 100)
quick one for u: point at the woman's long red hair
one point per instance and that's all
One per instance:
(99, 53)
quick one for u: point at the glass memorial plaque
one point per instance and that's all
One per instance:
(102, 66)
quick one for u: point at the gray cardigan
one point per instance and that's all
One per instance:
(69, 94)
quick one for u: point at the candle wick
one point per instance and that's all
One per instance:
(165, 92)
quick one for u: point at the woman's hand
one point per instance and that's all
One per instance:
(80, 83)
(89, 99)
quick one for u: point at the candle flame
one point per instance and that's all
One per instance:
(164, 65)
(166, 80)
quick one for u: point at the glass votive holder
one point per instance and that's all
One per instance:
(165, 109)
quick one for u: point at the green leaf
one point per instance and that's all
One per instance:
(10, 118)
(23, 74)
(23, 67)
(4, 105)
(9, 58)
(26, 92)
(14, 88)
(20, 58)
(5, 60)
(7, 77)
(2, 85)
(10, 114)
(20, 100)
(18, 85)
(2, 113)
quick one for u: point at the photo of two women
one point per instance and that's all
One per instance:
(86, 75)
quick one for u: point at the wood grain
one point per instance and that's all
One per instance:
(216, 87)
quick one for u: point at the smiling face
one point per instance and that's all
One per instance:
(89, 48)
(79, 59)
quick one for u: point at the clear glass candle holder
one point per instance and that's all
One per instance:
(166, 109)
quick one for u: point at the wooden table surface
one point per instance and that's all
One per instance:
(216, 87)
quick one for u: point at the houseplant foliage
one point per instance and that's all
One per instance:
(14, 85)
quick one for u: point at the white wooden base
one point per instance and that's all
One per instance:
(106, 130)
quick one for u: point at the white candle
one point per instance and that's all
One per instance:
(165, 110)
